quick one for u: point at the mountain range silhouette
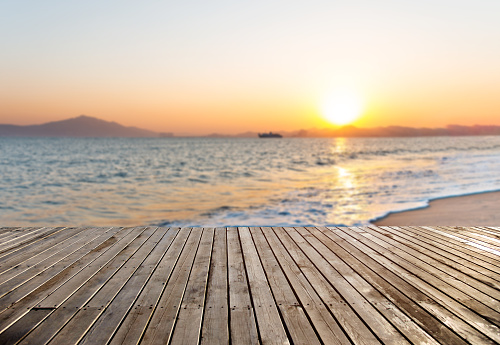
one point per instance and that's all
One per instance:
(87, 126)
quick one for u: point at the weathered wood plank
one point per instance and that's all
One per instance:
(336, 256)
(406, 297)
(17, 233)
(21, 299)
(18, 329)
(325, 324)
(216, 317)
(343, 283)
(384, 330)
(294, 317)
(160, 327)
(270, 327)
(356, 330)
(493, 229)
(432, 243)
(32, 267)
(50, 280)
(474, 324)
(482, 231)
(133, 326)
(479, 250)
(103, 265)
(5, 231)
(250, 285)
(472, 269)
(107, 324)
(454, 275)
(99, 303)
(14, 258)
(449, 239)
(187, 329)
(70, 299)
(469, 235)
(243, 329)
(25, 238)
(445, 283)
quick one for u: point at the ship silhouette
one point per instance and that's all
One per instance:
(270, 135)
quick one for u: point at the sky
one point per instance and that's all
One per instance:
(200, 67)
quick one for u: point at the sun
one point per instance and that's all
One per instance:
(342, 107)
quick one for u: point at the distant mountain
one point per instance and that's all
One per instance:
(81, 126)
(86, 126)
(390, 131)
(397, 131)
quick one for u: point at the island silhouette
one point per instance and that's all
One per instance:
(87, 126)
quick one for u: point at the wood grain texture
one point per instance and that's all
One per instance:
(250, 285)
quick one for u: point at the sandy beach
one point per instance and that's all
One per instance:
(476, 209)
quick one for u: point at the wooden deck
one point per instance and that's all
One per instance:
(390, 285)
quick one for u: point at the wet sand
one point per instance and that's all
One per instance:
(476, 209)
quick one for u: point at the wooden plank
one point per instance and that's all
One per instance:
(48, 281)
(389, 271)
(318, 285)
(135, 322)
(484, 230)
(435, 265)
(481, 230)
(122, 247)
(467, 233)
(30, 268)
(25, 297)
(377, 323)
(270, 327)
(336, 256)
(18, 255)
(243, 329)
(296, 322)
(95, 306)
(6, 231)
(466, 244)
(325, 324)
(17, 330)
(187, 329)
(474, 270)
(160, 327)
(110, 319)
(483, 328)
(216, 317)
(493, 228)
(436, 244)
(447, 284)
(21, 232)
(22, 239)
(72, 297)
(26, 238)
(34, 250)
(355, 329)
(403, 295)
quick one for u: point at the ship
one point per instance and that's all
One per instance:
(270, 135)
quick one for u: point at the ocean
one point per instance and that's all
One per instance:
(235, 182)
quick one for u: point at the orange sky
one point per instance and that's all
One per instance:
(229, 68)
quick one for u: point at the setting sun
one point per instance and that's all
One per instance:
(342, 107)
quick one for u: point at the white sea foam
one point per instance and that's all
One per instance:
(219, 182)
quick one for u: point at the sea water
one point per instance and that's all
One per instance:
(226, 182)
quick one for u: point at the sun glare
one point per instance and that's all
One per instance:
(342, 107)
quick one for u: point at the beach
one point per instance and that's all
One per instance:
(481, 209)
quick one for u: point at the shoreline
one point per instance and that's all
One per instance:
(476, 209)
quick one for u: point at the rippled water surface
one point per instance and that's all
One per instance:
(217, 182)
